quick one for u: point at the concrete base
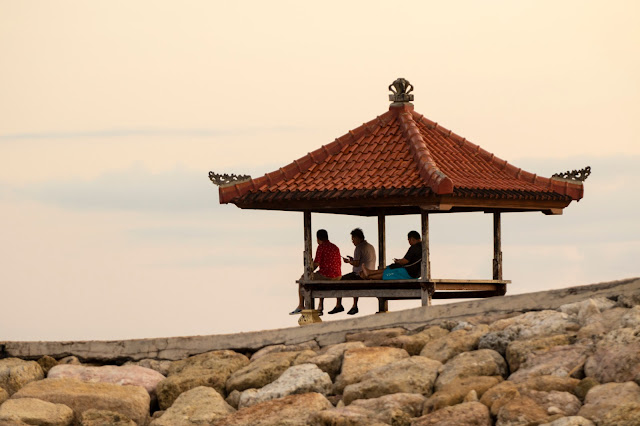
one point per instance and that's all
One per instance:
(309, 316)
(325, 333)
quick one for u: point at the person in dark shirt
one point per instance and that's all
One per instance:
(409, 267)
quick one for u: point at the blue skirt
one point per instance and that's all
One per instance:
(396, 274)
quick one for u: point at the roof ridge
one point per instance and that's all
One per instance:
(427, 167)
(575, 190)
(304, 163)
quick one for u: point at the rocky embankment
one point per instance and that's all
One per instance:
(576, 364)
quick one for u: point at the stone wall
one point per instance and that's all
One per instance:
(561, 358)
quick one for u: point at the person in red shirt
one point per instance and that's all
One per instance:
(329, 264)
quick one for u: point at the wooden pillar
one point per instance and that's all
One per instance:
(426, 266)
(382, 244)
(427, 288)
(308, 256)
(497, 247)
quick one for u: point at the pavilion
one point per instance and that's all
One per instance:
(396, 164)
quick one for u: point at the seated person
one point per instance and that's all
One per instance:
(409, 267)
(363, 255)
(329, 261)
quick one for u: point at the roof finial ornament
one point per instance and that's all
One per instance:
(401, 89)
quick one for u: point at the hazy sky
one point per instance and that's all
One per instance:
(112, 114)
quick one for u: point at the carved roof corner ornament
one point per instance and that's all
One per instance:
(401, 89)
(574, 175)
(227, 179)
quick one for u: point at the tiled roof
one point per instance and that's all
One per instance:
(399, 153)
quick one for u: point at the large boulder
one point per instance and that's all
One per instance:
(292, 410)
(124, 375)
(262, 371)
(483, 362)
(613, 404)
(329, 359)
(298, 379)
(198, 406)
(162, 366)
(33, 411)
(410, 375)
(357, 362)
(449, 345)
(15, 373)
(4, 395)
(397, 409)
(521, 411)
(537, 324)
(130, 401)
(375, 337)
(465, 414)
(555, 402)
(602, 323)
(456, 391)
(309, 345)
(93, 417)
(518, 351)
(414, 343)
(211, 369)
(570, 421)
(562, 361)
(616, 358)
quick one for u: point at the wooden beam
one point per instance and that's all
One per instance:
(383, 304)
(382, 243)
(425, 271)
(497, 247)
(308, 256)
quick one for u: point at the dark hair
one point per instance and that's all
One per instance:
(322, 235)
(414, 235)
(358, 233)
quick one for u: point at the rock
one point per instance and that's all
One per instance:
(16, 373)
(465, 414)
(458, 390)
(628, 300)
(211, 369)
(309, 345)
(521, 411)
(397, 409)
(125, 375)
(330, 358)
(454, 343)
(584, 386)
(614, 399)
(292, 410)
(233, 399)
(298, 379)
(550, 383)
(357, 362)
(559, 361)
(161, 366)
(624, 415)
(616, 358)
(35, 412)
(304, 357)
(198, 406)
(93, 417)
(4, 395)
(518, 351)
(73, 360)
(537, 324)
(570, 421)
(483, 362)
(410, 375)
(631, 318)
(130, 401)
(262, 371)
(414, 343)
(602, 323)
(498, 340)
(597, 303)
(375, 337)
(47, 362)
(554, 402)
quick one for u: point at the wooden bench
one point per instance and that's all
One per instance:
(385, 290)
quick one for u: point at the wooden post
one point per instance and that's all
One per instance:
(426, 267)
(383, 305)
(382, 245)
(308, 256)
(497, 247)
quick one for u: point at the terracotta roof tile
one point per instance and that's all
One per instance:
(400, 151)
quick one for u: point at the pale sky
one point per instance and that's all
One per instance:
(113, 113)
